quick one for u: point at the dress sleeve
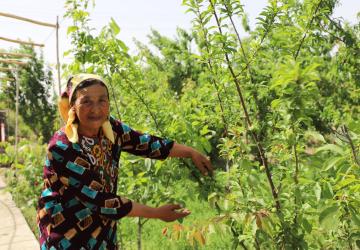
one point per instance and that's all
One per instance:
(142, 144)
(68, 171)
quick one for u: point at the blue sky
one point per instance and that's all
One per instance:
(134, 17)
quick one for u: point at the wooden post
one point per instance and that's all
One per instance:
(57, 53)
(3, 69)
(16, 115)
(11, 61)
(27, 20)
(21, 42)
(3, 133)
(2, 126)
(7, 54)
(8, 79)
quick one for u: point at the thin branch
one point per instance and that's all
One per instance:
(113, 91)
(210, 67)
(341, 29)
(267, 31)
(353, 149)
(239, 40)
(307, 29)
(247, 117)
(296, 180)
(141, 99)
(144, 221)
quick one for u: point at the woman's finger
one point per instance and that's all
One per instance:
(175, 206)
(209, 166)
(202, 167)
(182, 213)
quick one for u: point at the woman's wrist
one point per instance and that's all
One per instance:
(140, 210)
(168, 212)
(182, 151)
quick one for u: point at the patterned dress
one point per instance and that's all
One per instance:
(78, 207)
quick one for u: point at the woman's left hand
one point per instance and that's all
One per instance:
(202, 162)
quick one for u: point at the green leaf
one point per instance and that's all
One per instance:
(245, 164)
(355, 217)
(114, 26)
(71, 29)
(328, 212)
(331, 147)
(317, 189)
(122, 45)
(204, 130)
(306, 225)
(355, 126)
(180, 220)
(276, 103)
(212, 196)
(333, 162)
(315, 136)
(343, 183)
(327, 191)
(206, 145)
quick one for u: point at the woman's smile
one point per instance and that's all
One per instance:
(95, 118)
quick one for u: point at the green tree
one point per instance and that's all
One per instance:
(176, 60)
(35, 104)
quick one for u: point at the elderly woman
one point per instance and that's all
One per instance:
(78, 207)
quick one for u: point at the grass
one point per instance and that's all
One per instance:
(152, 233)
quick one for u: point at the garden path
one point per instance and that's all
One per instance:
(15, 233)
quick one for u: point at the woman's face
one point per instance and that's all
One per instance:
(92, 106)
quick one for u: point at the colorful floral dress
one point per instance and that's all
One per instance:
(78, 207)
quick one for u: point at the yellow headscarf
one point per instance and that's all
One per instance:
(68, 114)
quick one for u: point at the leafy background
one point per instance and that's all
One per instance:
(277, 112)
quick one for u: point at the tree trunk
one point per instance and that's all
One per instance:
(139, 234)
(119, 241)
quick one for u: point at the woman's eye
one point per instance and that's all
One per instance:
(87, 103)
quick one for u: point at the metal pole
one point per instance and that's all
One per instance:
(57, 53)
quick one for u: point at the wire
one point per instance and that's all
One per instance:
(52, 32)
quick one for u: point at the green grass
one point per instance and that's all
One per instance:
(152, 237)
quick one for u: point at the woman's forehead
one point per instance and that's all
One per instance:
(92, 91)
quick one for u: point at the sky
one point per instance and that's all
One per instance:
(135, 18)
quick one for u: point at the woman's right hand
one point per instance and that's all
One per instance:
(171, 212)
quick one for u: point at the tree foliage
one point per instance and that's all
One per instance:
(36, 107)
(277, 111)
